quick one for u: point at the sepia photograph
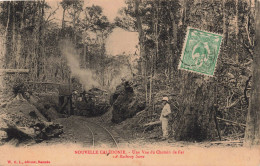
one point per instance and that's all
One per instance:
(130, 82)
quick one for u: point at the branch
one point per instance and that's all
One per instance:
(230, 105)
(248, 63)
(152, 123)
(239, 124)
(248, 35)
(245, 90)
(250, 50)
(52, 13)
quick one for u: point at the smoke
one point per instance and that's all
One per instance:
(85, 76)
(123, 74)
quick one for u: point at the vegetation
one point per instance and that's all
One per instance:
(32, 40)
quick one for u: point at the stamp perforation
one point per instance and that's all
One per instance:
(184, 47)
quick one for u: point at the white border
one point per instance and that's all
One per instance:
(184, 46)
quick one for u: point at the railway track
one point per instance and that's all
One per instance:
(101, 136)
(81, 130)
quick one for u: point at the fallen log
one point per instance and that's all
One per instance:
(239, 124)
(12, 71)
(51, 83)
(139, 113)
(152, 123)
(13, 142)
(148, 125)
(14, 131)
(228, 142)
(159, 122)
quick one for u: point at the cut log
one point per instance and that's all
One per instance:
(14, 131)
(13, 71)
(13, 142)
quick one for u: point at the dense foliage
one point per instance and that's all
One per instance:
(162, 26)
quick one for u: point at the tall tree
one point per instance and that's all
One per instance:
(224, 21)
(252, 134)
(96, 28)
(142, 47)
(65, 5)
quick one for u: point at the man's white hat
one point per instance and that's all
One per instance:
(165, 99)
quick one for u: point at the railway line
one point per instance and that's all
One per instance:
(79, 129)
(101, 136)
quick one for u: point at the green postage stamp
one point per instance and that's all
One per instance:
(200, 51)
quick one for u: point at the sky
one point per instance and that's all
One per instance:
(120, 41)
(110, 7)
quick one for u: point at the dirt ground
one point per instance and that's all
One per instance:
(76, 132)
(76, 136)
(127, 133)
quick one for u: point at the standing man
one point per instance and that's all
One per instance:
(166, 111)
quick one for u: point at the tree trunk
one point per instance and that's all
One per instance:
(252, 133)
(237, 31)
(41, 39)
(184, 12)
(196, 116)
(35, 44)
(7, 33)
(140, 31)
(169, 55)
(63, 18)
(84, 55)
(13, 58)
(141, 43)
(19, 39)
(174, 41)
(224, 22)
(74, 26)
(154, 58)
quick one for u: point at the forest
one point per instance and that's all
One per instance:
(51, 63)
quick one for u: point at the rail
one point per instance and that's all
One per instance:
(101, 134)
(113, 138)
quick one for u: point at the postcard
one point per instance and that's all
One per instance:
(129, 82)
